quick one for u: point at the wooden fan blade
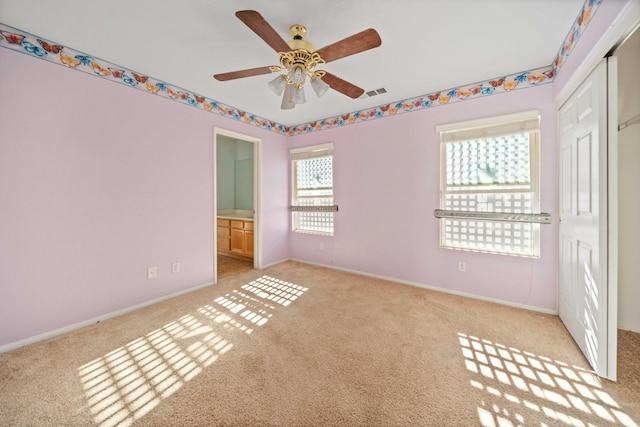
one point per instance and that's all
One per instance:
(364, 40)
(223, 77)
(342, 86)
(257, 23)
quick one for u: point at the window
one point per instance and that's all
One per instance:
(312, 189)
(490, 166)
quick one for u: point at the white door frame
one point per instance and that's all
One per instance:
(257, 152)
(612, 207)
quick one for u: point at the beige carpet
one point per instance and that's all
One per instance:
(299, 345)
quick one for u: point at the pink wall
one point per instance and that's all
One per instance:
(98, 182)
(386, 183)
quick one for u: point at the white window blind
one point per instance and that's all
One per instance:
(312, 202)
(491, 166)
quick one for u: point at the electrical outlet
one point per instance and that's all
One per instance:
(321, 245)
(462, 266)
(152, 273)
(175, 267)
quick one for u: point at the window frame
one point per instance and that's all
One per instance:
(493, 127)
(305, 153)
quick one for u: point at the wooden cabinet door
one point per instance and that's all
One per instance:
(237, 241)
(224, 244)
(248, 243)
(235, 238)
(224, 237)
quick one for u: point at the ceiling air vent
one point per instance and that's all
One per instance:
(370, 93)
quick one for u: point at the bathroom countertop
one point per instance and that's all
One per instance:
(246, 214)
(235, 216)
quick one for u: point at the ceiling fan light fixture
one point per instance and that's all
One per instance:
(298, 95)
(287, 98)
(297, 74)
(299, 58)
(319, 87)
(278, 84)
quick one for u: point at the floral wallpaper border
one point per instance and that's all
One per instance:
(23, 42)
(579, 25)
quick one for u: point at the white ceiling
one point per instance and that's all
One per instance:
(427, 45)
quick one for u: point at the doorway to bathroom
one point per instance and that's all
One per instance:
(236, 220)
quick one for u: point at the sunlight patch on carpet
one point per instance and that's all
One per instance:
(127, 383)
(276, 290)
(551, 388)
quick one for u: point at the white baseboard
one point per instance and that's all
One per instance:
(41, 337)
(262, 267)
(628, 327)
(434, 288)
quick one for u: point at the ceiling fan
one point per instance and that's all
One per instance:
(299, 59)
